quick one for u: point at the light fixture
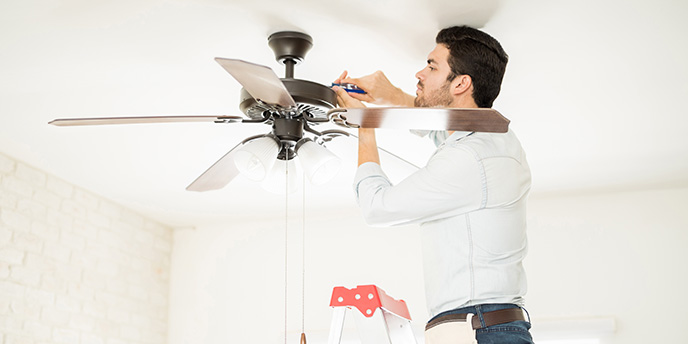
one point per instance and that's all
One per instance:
(319, 164)
(282, 172)
(256, 157)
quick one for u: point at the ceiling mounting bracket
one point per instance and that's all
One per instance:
(290, 49)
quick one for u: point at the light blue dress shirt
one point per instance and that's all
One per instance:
(470, 202)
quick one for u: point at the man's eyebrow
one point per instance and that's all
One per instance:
(430, 61)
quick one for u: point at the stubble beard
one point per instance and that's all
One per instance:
(436, 98)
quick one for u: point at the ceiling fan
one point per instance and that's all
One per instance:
(292, 107)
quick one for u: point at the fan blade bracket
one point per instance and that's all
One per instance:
(229, 119)
(329, 135)
(338, 117)
(312, 119)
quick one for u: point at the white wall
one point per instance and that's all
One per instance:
(611, 255)
(618, 255)
(77, 268)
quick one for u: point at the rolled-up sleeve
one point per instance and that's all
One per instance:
(452, 183)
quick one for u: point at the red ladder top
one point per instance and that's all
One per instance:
(368, 298)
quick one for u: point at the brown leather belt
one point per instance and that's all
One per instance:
(491, 318)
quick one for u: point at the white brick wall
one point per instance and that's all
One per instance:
(77, 268)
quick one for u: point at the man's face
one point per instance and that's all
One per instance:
(433, 89)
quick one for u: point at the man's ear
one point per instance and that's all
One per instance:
(462, 84)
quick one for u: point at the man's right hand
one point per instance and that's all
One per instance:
(345, 99)
(379, 90)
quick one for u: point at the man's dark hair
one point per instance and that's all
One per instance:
(478, 55)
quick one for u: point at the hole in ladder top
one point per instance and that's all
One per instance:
(368, 311)
(371, 296)
(340, 299)
(358, 296)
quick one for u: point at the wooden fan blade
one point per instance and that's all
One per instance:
(143, 120)
(473, 119)
(218, 175)
(259, 81)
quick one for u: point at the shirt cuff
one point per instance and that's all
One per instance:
(366, 170)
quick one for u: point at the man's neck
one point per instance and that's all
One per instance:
(463, 103)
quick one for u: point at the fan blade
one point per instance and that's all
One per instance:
(218, 175)
(142, 120)
(259, 81)
(478, 119)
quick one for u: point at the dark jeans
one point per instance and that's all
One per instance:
(515, 332)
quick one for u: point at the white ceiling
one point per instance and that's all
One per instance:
(596, 90)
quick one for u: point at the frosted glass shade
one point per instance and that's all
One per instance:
(255, 158)
(282, 178)
(319, 164)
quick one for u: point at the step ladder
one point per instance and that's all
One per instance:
(393, 314)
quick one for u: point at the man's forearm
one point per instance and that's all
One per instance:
(404, 99)
(399, 98)
(367, 147)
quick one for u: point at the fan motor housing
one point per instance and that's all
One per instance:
(310, 97)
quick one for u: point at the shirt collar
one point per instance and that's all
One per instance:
(459, 135)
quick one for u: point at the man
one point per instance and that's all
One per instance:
(470, 198)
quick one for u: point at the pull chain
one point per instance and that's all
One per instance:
(303, 265)
(303, 256)
(286, 242)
